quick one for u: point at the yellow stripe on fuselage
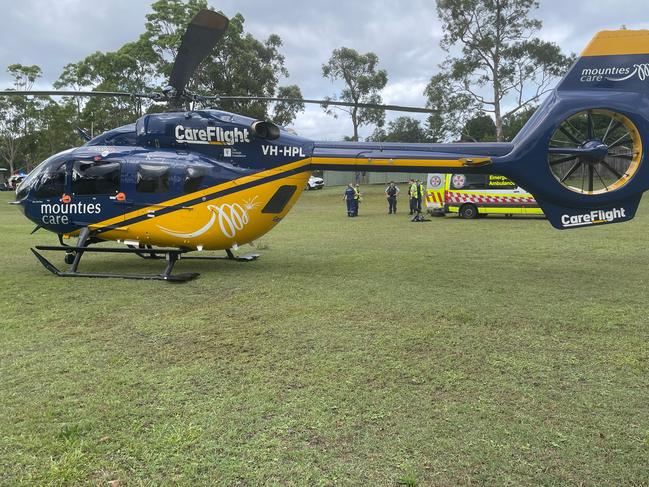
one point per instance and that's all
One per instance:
(618, 42)
(398, 163)
(199, 194)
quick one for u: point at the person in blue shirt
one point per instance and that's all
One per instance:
(350, 198)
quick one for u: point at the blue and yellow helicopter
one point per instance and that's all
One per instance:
(193, 180)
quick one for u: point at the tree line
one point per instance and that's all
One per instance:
(494, 74)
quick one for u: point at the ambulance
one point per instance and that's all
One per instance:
(472, 195)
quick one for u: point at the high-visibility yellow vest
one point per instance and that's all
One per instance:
(413, 190)
(357, 194)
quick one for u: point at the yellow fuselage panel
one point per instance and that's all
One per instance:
(214, 224)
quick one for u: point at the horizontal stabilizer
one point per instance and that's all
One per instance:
(565, 218)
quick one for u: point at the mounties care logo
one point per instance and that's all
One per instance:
(593, 217)
(211, 135)
(57, 213)
(615, 73)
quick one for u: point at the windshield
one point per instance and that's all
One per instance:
(34, 176)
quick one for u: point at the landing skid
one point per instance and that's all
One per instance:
(73, 256)
(171, 256)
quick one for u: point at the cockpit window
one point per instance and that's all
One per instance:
(34, 176)
(52, 183)
(152, 178)
(128, 138)
(95, 177)
(33, 179)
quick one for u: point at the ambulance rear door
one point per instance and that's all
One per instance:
(435, 188)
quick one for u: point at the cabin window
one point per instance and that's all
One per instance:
(194, 177)
(279, 200)
(95, 177)
(52, 183)
(469, 181)
(152, 178)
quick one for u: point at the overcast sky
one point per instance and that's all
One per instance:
(404, 34)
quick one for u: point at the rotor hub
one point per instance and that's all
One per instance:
(595, 151)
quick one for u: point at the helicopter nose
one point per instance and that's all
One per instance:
(21, 201)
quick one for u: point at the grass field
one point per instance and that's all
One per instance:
(355, 351)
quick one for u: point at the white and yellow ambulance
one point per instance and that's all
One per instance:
(471, 195)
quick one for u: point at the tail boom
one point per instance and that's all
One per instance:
(394, 157)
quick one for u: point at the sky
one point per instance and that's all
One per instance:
(404, 34)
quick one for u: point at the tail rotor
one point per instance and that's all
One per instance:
(595, 151)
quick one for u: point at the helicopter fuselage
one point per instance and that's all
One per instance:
(196, 180)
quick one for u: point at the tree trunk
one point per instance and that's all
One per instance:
(500, 136)
(496, 66)
(497, 97)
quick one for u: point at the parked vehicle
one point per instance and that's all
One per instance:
(472, 195)
(315, 182)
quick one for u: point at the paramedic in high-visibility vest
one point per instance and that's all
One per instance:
(391, 192)
(419, 192)
(357, 198)
(412, 194)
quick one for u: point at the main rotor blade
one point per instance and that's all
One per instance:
(202, 34)
(73, 93)
(398, 108)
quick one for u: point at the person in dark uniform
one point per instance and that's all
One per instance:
(348, 197)
(391, 192)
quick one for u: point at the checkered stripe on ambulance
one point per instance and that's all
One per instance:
(462, 197)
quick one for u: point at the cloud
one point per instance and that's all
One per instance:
(405, 36)
(53, 34)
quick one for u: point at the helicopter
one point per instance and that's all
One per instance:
(192, 180)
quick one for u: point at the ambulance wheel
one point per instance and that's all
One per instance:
(469, 212)
(69, 258)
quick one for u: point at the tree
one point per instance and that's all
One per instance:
(284, 112)
(239, 65)
(31, 128)
(515, 123)
(130, 69)
(164, 28)
(56, 132)
(501, 60)
(401, 129)
(19, 118)
(480, 128)
(363, 82)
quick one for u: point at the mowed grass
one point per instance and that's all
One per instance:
(355, 351)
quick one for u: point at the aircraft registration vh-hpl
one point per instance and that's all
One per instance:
(193, 179)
